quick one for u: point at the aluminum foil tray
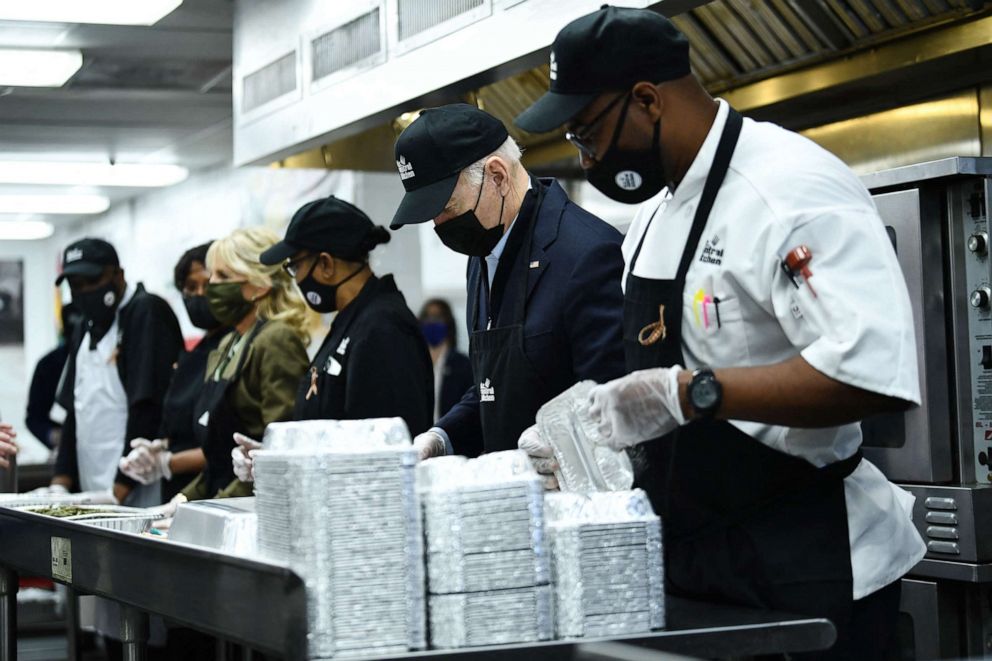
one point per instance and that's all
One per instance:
(337, 501)
(228, 525)
(28, 499)
(606, 554)
(585, 466)
(112, 517)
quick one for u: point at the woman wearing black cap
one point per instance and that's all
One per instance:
(374, 362)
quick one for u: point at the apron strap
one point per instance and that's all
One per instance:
(714, 180)
(520, 306)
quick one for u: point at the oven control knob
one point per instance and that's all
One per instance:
(978, 243)
(980, 297)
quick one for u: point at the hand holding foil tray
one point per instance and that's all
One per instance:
(584, 465)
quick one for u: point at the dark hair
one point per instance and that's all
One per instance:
(446, 314)
(185, 264)
(376, 236)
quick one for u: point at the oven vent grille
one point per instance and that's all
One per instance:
(272, 81)
(347, 45)
(416, 16)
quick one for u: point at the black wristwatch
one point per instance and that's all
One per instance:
(705, 393)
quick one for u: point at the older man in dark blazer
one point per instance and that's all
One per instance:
(544, 299)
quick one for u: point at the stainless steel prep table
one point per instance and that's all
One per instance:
(263, 606)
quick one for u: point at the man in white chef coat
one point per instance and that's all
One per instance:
(765, 316)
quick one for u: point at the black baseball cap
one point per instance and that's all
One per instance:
(434, 149)
(87, 257)
(326, 225)
(610, 49)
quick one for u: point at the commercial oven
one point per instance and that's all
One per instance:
(937, 216)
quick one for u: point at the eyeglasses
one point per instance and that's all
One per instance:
(581, 137)
(292, 267)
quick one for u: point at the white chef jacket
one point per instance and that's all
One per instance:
(740, 309)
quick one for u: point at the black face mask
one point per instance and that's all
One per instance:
(629, 176)
(320, 297)
(198, 309)
(466, 235)
(98, 307)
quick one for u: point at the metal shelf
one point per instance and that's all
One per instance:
(223, 595)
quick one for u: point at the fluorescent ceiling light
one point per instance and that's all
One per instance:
(90, 174)
(108, 12)
(62, 204)
(25, 230)
(38, 68)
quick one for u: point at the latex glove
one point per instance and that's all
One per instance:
(542, 456)
(50, 490)
(638, 407)
(429, 444)
(242, 457)
(148, 461)
(8, 446)
(168, 510)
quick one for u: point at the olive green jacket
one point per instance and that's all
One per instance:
(264, 392)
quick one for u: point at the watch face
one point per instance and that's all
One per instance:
(705, 394)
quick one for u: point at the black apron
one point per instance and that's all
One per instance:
(510, 390)
(322, 392)
(742, 522)
(178, 419)
(216, 422)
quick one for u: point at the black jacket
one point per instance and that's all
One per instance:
(374, 363)
(41, 396)
(574, 307)
(149, 342)
(456, 378)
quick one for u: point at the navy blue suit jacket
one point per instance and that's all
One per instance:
(574, 311)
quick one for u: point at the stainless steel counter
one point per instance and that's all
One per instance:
(263, 606)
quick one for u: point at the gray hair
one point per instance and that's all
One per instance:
(509, 151)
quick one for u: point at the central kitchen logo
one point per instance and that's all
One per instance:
(486, 392)
(712, 254)
(405, 168)
(554, 67)
(73, 255)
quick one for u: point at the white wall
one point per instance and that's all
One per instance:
(16, 364)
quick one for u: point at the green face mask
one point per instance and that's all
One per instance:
(227, 303)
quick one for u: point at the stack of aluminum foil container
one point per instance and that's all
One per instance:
(487, 559)
(606, 563)
(336, 501)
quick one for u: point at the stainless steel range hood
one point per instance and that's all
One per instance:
(309, 72)
(802, 63)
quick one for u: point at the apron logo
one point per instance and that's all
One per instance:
(343, 346)
(629, 180)
(314, 298)
(712, 254)
(204, 419)
(654, 331)
(486, 392)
